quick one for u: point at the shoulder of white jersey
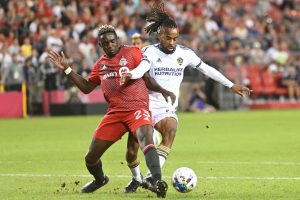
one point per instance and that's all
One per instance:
(146, 51)
(148, 48)
(190, 54)
(184, 48)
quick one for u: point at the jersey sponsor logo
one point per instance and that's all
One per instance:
(110, 75)
(179, 61)
(123, 62)
(123, 70)
(166, 71)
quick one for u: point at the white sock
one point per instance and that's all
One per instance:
(162, 161)
(156, 137)
(136, 173)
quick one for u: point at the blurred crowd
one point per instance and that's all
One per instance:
(232, 35)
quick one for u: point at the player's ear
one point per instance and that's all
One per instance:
(159, 36)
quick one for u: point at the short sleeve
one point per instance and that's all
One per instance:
(194, 60)
(137, 56)
(147, 55)
(94, 75)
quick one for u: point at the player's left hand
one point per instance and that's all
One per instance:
(125, 78)
(166, 94)
(241, 90)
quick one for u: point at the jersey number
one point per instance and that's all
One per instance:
(142, 113)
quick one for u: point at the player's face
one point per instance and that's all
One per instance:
(168, 38)
(109, 43)
(137, 43)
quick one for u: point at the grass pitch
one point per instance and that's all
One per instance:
(236, 155)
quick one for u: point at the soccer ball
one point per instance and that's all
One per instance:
(184, 179)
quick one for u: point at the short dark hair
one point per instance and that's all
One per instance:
(159, 18)
(106, 29)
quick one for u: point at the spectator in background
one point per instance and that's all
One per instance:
(257, 54)
(72, 50)
(49, 72)
(136, 40)
(290, 81)
(53, 40)
(26, 48)
(120, 30)
(87, 50)
(132, 27)
(85, 70)
(13, 76)
(197, 102)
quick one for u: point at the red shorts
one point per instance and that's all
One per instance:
(115, 124)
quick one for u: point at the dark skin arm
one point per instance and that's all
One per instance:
(154, 86)
(61, 62)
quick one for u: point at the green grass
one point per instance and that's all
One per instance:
(237, 155)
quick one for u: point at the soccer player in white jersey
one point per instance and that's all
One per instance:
(162, 66)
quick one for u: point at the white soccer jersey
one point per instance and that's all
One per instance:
(168, 69)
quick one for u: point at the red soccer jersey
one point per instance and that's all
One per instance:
(107, 72)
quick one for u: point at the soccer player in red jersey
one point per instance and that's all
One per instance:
(128, 109)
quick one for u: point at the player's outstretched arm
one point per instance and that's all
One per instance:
(217, 76)
(61, 62)
(154, 86)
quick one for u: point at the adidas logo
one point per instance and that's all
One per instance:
(104, 67)
(158, 60)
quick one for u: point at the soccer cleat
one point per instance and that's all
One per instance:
(148, 184)
(161, 188)
(94, 185)
(132, 186)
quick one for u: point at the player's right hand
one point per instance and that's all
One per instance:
(125, 78)
(241, 90)
(166, 94)
(58, 59)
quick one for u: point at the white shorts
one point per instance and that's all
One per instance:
(161, 110)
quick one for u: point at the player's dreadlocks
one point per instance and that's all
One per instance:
(106, 29)
(159, 18)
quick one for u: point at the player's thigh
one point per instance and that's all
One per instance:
(139, 122)
(144, 135)
(166, 126)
